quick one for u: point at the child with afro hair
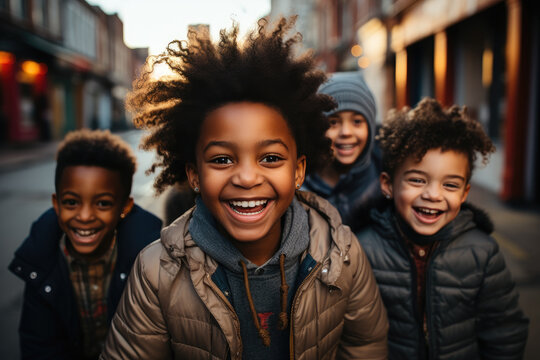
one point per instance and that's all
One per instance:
(444, 282)
(77, 257)
(257, 269)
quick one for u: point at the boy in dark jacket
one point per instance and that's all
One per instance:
(78, 255)
(351, 180)
(444, 282)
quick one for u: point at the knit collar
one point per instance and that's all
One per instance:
(294, 238)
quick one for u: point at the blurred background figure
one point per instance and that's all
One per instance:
(351, 181)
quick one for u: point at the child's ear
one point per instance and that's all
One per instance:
(386, 185)
(192, 176)
(55, 203)
(127, 207)
(300, 172)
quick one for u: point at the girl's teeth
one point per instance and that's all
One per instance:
(248, 204)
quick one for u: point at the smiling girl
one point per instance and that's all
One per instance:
(257, 269)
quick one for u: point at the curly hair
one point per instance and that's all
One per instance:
(96, 148)
(208, 75)
(412, 132)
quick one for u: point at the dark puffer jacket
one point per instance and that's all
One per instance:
(471, 302)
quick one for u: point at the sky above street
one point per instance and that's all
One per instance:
(155, 23)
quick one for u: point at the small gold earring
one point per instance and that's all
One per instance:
(122, 215)
(298, 186)
(196, 189)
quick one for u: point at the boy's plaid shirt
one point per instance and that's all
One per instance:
(90, 279)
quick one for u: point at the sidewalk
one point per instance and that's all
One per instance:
(15, 156)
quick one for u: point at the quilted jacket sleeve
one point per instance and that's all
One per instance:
(138, 329)
(502, 330)
(366, 325)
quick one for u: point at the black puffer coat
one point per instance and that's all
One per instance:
(471, 302)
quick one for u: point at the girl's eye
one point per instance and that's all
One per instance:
(221, 160)
(271, 159)
(358, 121)
(333, 122)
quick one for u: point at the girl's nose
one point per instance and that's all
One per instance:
(247, 175)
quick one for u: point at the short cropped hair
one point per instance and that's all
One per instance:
(413, 132)
(96, 148)
(207, 75)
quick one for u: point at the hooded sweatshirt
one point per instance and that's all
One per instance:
(264, 280)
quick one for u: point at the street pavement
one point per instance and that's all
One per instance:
(26, 181)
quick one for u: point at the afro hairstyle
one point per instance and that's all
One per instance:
(413, 132)
(96, 148)
(207, 75)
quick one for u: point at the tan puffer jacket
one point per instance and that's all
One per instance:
(171, 308)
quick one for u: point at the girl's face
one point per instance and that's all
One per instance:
(428, 194)
(349, 133)
(247, 170)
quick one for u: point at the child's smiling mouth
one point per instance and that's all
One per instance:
(424, 213)
(84, 235)
(248, 207)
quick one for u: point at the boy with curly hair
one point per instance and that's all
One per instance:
(444, 282)
(77, 257)
(257, 269)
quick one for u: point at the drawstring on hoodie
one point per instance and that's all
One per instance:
(284, 289)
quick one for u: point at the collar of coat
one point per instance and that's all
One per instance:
(329, 246)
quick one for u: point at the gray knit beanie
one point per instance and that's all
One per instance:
(350, 91)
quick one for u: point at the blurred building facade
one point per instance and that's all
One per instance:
(63, 66)
(480, 53)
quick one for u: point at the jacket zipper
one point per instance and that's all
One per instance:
(422, 332)
(427, 324)
(309, 277)
(218, 292)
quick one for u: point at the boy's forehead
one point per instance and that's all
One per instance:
(89, 175)
(438, 160)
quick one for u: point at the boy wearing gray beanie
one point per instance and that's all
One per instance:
(350, 182)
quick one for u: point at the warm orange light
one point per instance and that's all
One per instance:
(439, 64)
(401, 78)
(363, 62)
(6, 58)
(357, 50)
(487, 67)
(31, 67)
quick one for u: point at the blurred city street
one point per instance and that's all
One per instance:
(26, 180)
(69, 64)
